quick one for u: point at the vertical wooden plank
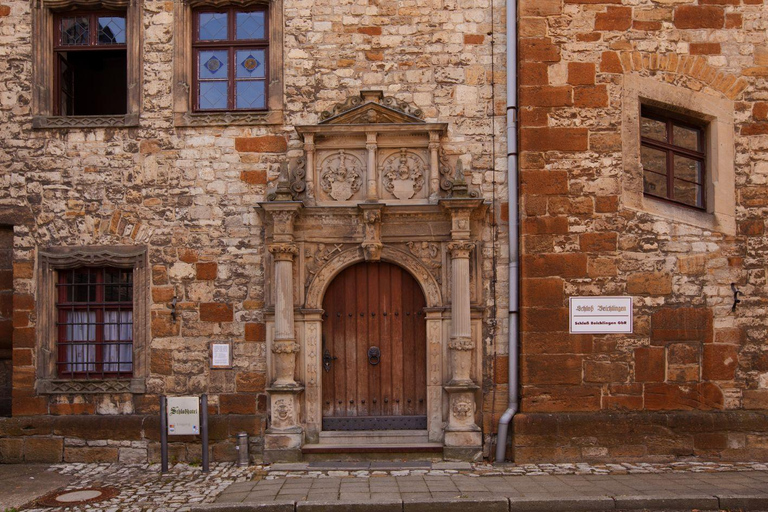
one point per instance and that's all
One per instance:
(385, 299)
(374, 317)
(361, 282)
(350, 344)
(327, 342)
(398, 314)
(408, 342)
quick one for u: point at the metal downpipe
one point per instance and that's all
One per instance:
(514, 255)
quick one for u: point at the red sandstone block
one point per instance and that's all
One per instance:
(29, 405)
(705, 48)
(159, 274)
(683, 353)
(649, 364)
(504, 212)
(188, 255)
(561, 399)
(546, 96)
(545, 225)
(250, 382)
(538, 49)
(760, 111)
(734, 20)
(543, 292)
(710, 441)
(556, 343)
(254, 177)
(610, 63)
(606, 204)
(501, 370)
(646, 26)
(554, 139)
(534, 116)
(720, 362)
(216, 312)
(162, 326)
(592, 96)
(615, 18)
(161, 361)
(544, 182)
(163, 294)
(598, 242)
(755, 399)
(264, 144)
(623, 403)
(5, 10)
(754, 196)
(544, 319)
(369, 31)
(237, 404)
(681, 324)
(207, 271)
(22, 357)
(534, 73)
(649, 283)
(605, 371)
(563, 265)
(20, 319)
(72, 409)
(374, 56)
(23, 301)
(752, 227)
(754, 129)
(733, 336)
(474, 38)
(23, 269)
(699, 16)
(669, 397)
(24, 337)
(581, 73)
(255, 332)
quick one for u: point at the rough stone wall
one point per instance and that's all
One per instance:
(689, 350)
(188, 194)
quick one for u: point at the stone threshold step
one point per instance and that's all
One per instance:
(373, 448)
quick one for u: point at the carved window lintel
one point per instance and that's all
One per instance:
(85, 121)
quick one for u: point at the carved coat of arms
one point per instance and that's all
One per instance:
(403, 174)
(341, 176)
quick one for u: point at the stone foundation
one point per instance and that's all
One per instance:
(127, 439)
(648, 437)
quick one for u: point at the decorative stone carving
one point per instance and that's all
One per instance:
(403, 174)
(461, 249)
(462, 407)
(461, 344)
(285, 347)
(372, 235)
(367, 116)
(341, 175)
(429, 253)
(283, 251)
(316, 255)
(283, 410)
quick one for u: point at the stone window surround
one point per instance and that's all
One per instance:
(717, 113)
(43, 67)
(54, 258)
(183, 114)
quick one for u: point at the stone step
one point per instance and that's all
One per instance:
(373, 437)
(370, 451)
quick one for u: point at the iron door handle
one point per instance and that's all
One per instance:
(374, 356)
(327, 360)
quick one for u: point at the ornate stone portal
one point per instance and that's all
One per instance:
(373, 185)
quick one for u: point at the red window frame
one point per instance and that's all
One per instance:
(671, 150)
(231, 45)
(93, 45)
(96, 286)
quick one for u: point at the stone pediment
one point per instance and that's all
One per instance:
(372, 107)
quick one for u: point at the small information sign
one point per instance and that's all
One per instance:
(600, 315)
(221, 354)
(183, 416)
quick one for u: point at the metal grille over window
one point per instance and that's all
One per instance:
(673, 159)
(231, 60)
(95, 323)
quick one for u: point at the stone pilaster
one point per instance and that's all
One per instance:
(463, 438)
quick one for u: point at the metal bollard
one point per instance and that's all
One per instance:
(242, 449)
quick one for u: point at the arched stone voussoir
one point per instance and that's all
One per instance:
(334, 266)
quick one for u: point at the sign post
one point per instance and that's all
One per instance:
(181, 416)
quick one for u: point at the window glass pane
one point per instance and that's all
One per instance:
(250, 94)
(653, 129)
(250, 25)
(75, 31)
(688, 169)
(250, 63)
(685, 137)
(112, 30)
(213, 95)
(213, 64)
(655, 184)
(653, 159)
(689, 193)
(213, 26)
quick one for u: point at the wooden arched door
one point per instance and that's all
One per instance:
(374, 350)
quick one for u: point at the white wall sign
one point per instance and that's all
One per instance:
(600, 315)
(221, 354)
(183, 416)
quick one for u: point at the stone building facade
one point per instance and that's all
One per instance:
(379, 148)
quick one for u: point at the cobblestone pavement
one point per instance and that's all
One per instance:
(144, 488)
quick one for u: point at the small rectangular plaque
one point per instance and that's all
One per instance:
(183, 416)
(600, 315)
(221, 354)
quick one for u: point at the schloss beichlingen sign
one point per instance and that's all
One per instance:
(600, 315)
(183, 416)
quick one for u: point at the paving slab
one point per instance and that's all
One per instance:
(22, 483)
(666, 502)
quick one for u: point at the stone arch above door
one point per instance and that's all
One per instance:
(334, 266)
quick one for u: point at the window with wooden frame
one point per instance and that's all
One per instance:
(673, 156)
(231, 59)
(94, 323)
(91, 63)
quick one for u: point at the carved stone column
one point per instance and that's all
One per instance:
(434, 165)
(309, 151)
(284, 437)
(463, 438)
(371, 191)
